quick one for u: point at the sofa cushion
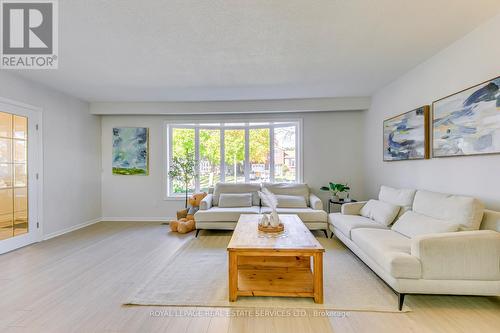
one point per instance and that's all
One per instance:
(346, 223)
(227, 200)
(380, 211)
(237, 188)
(291, 201)
(218, 214)
(390, 250)
(400, 197)
(289, 189)
(412, 224)
(467, 211)
(305, 214)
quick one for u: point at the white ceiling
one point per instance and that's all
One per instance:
(194, 50)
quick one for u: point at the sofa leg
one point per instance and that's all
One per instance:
(326, 233)
(331, 235)
(197, 232)
(401, 299)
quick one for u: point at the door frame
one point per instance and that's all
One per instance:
(36, 234)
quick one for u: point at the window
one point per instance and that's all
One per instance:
(236, 152)
(209, 162)
(234, 155)
(260, 154)
(184, 145)
(284, 154)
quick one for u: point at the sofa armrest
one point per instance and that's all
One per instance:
(463, 255)
(315, 202)
(352, 208)
(491, 220)
(206, 202)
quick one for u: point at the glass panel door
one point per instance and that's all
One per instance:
(13, 175)
(20, 157)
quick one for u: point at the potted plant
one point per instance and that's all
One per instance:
(183, 169)
(337, 189)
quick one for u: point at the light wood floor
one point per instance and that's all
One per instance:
(77, 283)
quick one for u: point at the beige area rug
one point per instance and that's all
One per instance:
(197, 276)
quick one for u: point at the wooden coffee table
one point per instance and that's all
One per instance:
(260, 265)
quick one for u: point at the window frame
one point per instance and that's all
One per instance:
(247, 124)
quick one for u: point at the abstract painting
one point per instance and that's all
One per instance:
(406, 137)
(468, 122)
(130, 151)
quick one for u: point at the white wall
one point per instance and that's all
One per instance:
(71, 147)
(471, 60)
(332, 151)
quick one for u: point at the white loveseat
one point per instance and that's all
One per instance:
(240, 199)
(436, 244)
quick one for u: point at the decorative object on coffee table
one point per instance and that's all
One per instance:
(270, 200)
(336, 189)
(264, 220)
(270, 229)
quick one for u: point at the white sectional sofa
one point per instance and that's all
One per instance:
(222, 208)
(422, 242)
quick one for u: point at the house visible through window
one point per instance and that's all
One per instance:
(236, 153)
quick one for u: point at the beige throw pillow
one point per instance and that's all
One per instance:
(231, 200)
(413, 224)
(379, 211)
(291, 201)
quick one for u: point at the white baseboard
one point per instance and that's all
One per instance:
(137, 219)
(70, 229)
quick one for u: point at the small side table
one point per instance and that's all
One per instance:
(338, 202)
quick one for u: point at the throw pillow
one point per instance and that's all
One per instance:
(401, 197)
(379, 211)
(291, 201)
(413, 224)
(230, 200)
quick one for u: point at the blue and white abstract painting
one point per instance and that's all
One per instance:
(405, 136)
(130, 151)
(468, 122)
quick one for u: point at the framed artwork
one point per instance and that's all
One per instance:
(468, 122)
(406, 136)
(130, 151)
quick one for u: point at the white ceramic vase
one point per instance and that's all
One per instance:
(264, 221)
(274, 220)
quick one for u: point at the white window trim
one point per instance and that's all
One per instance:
(168, 125)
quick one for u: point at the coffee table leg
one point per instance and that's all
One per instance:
(318, 278)
(233, 276)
